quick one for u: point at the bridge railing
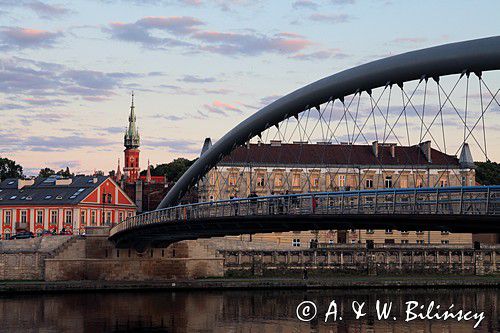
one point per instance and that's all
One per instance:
(472, 200)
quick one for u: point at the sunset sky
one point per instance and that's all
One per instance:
(197, 67)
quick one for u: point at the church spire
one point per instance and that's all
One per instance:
(118, 174)
(132, 139)
(148, 174)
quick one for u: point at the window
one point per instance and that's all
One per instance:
(39, 232)
(296, 180)
(83, 215)
(121, 216)
(314, 179)
(213, 178)
(331, 241)
(261, 181)
(278, 180)
(419, 183)
(443, 183)
(404, 241)
(420, 241)
(39, 216)
(404, 232)
(353, 231)
(8, 217)
(54, 217)
(444, 232)
(341, 180)
(388, 182)
(92, 217)
(403, 181)
(419, 232)
(69, 217)
(388, 231)
(296, 242)
(7, 235)
(369, 231)
(369, 183)
(445, 241)
(24, 216)
(129, 214)
(108, 218)
(232, 179)
(464, 180)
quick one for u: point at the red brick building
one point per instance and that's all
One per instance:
(54, 203)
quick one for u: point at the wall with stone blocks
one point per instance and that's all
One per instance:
(21, 266)
(137, 269)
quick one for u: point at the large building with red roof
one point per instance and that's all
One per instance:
(279, 168)
(55, 203)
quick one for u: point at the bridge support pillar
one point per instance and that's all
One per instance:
(479, 263)
(462, 261)
(400, 258)
(493, 260)
(341, 259)
(371, 263)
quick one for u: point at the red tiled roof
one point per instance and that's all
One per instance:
(290, 154)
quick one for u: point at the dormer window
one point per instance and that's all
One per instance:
(13, 197)
(48, 197)
(58, 197)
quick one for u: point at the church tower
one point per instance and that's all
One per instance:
(131, 142)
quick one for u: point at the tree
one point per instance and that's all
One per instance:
(65, 173)
(173, 170)
(488, 173)
(46, 172)
(10, 169)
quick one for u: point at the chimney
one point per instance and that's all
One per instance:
(426, 149)
(375, 148)
(275, 143)
(64, 181)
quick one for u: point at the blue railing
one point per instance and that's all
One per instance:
(472, 200)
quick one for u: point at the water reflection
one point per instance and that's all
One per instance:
(236, 311)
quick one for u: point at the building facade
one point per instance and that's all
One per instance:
(281, 168)
(55, 203)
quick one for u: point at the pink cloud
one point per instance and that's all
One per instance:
(27, 38)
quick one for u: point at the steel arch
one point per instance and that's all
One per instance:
(469, 56)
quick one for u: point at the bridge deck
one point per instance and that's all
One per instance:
(373, 206)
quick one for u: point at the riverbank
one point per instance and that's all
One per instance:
(9, 287)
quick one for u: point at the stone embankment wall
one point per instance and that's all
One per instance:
(23, 259)
(357, 259)
(95, 258)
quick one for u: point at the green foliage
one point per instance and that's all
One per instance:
(47, 172)
(9, 169)
(488, 173)
(173, 170)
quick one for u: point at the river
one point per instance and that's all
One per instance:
(249, 311)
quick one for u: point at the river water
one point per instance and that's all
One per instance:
(253, 311)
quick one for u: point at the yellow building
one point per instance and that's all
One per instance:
(280, 168)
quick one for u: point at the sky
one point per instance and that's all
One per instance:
(198, 67)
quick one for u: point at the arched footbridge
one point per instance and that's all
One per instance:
(337, 102)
